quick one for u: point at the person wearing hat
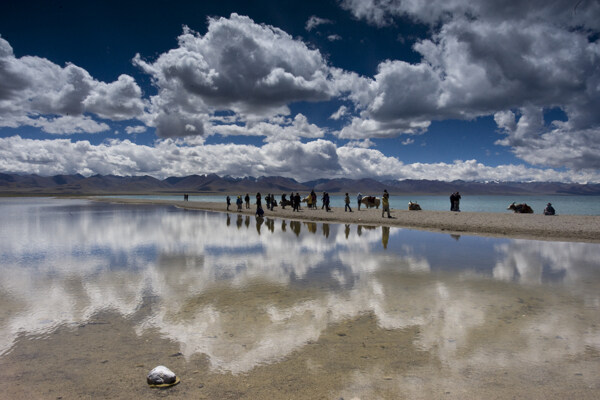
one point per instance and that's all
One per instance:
(549, 210)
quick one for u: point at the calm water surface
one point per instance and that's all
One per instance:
(94, 295)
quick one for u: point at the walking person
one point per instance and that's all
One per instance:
(347, 201)
(358, 200)
(326, 201)
(385, 204)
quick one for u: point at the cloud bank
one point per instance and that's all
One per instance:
(294, 159)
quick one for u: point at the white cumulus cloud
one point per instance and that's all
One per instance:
(490, 58)
(36, 92)
(238, 66)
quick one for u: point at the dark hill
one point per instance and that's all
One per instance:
(15, 184)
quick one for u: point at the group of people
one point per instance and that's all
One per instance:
(311, 202)
(455, 202)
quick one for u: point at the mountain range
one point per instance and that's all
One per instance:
(15, 184)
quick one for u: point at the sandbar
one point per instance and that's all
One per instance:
(571, 228)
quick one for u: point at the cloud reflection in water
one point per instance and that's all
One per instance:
(247, 292)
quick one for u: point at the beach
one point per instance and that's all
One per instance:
(572, 228)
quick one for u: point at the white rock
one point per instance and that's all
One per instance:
(161, 375)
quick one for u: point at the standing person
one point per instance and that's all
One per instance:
(247, 199)
(313, 196)
(326, 201)
(347, 201)
(457, 202)
(268, 201)
(259, 210)
(452, 196)
(258, 199)
(358, 200)
(228, 202)
(239, 203)
(297, 202)
(385, 204)
(283, 201)
(323, 200)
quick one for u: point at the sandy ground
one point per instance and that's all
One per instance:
(579, 228)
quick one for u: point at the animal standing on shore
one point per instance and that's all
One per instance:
(371, 201)
(521, 208)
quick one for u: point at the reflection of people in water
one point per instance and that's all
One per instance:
(259, 222)
(312, 227)
(455, 237)
(239, 221)
(270, 224)
(247, 222)
(385, 236)
(283, 225)
(359, 230)
(228, 220)
(347, 230)
(326, 230)
(295, 226)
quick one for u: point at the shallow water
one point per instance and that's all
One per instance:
(95, 295)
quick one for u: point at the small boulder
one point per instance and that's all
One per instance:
(161, 375)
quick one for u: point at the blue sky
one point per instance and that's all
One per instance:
(386, 89)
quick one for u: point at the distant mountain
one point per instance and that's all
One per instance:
(15, 184)
(340, 185)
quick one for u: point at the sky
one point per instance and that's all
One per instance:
(384, 89)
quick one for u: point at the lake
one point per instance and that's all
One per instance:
(93, 296)
(564, 204)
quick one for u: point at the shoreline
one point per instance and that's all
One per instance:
(568, 228)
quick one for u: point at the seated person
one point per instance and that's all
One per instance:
(549, 210)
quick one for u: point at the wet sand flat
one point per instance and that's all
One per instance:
(353, 358)
(580, 228)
